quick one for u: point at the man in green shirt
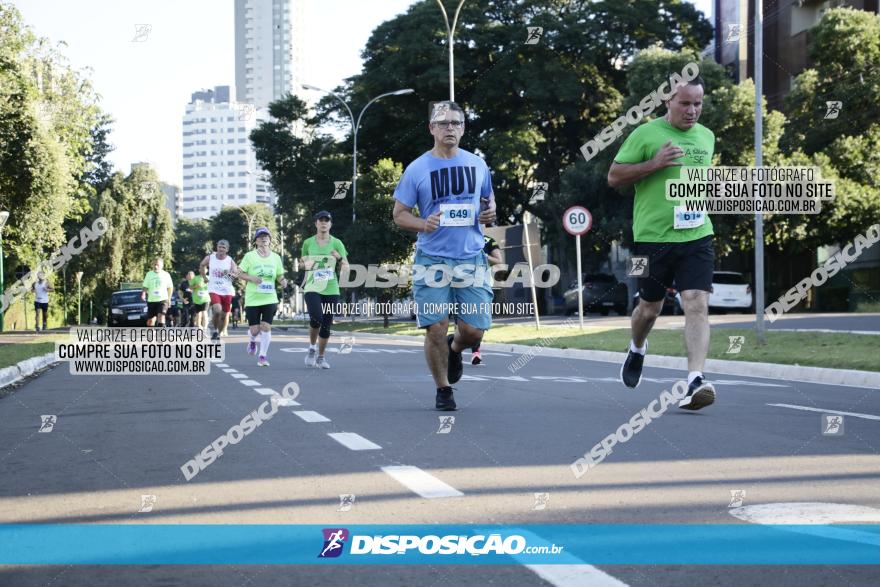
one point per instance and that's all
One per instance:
(676, 244)
(199, 287)
(157, 288)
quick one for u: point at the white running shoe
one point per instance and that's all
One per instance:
(263, 362)
(321, 363)
(310, 358)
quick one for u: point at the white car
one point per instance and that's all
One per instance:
(730, 291)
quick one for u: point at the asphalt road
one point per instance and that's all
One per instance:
(118, 438)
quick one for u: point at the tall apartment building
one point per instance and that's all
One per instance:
(268, 49)
(173, 200)
(219, 164)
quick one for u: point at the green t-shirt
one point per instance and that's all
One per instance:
(269, 269)
(653, 214)
(321, 277)
(199, 288)
(157, 285)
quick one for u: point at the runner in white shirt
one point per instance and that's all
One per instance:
(41, 299)
(218, 269)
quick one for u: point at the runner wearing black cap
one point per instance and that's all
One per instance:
(261, 269)
(321, 255)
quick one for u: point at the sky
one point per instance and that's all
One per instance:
(145, 80)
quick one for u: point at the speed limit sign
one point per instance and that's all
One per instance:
(577, 220)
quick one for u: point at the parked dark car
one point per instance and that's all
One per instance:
(126, 308)
(671, 305)
(602, 293)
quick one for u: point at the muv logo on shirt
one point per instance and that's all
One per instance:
(452, 179)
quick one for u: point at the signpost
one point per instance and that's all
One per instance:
(577, 220)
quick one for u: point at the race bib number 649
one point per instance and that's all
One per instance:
(457, 214)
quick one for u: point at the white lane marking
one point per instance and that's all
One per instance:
(356, 350)
(570, 571)
(239, 375)
(422, 483)
(574, 574)
(230, 370)
(353, 441)
(822, 411)
(221, 364)
(799, 516)
(266, 391)
(286, 401)
(309, 416)
(249, 382)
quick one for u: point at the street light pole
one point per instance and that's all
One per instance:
(450, 34)
(355, 127)
(4, 216)
(759, 134)
(79, 275)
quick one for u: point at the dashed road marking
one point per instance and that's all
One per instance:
(421, 482)
(309, 416)
(353, 441)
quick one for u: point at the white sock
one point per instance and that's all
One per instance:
(313, 347)
(265, 339)
(253, 337)
(693, 375)
(635, 349)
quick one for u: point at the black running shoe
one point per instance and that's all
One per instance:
(455, 369)
(700, 394)
(631, 370)
(215, 335)
(445, 402)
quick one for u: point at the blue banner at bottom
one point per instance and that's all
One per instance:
(721, 544)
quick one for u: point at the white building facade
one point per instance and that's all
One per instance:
(219, 163)
(269, 38)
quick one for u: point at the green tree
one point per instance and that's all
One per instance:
(237, 224)
(192, 241)
(140, 230)
(302, 167)
(48, 123)
(530, 107)
(844, 50)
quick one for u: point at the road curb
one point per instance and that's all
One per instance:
(25, 368)
(846, 377)
(751, 369)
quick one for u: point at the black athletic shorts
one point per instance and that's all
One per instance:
(688, 265)
(257, 314)
(44, 306)
(156, 308)
(198, 307)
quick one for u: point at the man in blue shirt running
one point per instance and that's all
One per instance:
(452, 190)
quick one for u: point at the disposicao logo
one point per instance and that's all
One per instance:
(334, 540)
